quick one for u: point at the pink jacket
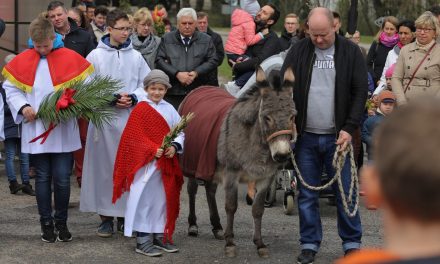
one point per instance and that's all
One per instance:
(242, 33)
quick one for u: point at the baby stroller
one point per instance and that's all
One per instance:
(284, 180)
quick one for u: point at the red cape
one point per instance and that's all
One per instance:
(65, 67)
(141, 138)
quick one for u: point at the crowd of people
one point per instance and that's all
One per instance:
(342, 94)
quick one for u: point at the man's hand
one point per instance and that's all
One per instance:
(265, 31)
(343, 140)
(192, 76)
(124, 101)
(183, 78)
(28, 113)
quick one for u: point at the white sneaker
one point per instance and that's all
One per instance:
(231, 87)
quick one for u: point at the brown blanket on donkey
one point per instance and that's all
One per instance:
(210, 106)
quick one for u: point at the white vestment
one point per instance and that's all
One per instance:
(63, 138)
(2, 118)
(146, 203)
(129, 67)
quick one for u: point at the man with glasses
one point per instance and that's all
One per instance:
(114, 57)
(330, 94)
(74, 37)
(290, 31)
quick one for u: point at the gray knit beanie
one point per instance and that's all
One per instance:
(157, 76)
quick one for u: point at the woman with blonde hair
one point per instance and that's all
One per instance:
(417, 71)
(385, 40)
(143, 38)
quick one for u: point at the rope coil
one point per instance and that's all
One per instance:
(338, 163)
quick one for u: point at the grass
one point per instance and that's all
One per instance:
(367, 39)
(225, 70)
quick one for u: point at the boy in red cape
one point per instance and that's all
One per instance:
(151, 175)
(404, 182)
(31, 76)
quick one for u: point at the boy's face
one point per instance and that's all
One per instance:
(386, 108)
(156, 92)
(120, 32)
(99, 20)
(44, 47)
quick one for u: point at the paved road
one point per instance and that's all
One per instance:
(20, 234)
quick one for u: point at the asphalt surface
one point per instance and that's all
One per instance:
(20, 234)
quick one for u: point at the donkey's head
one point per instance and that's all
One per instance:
(276, 112)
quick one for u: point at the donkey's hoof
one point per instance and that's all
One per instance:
(263, 252)
(219, 234)
(193, 230)
(230, 251)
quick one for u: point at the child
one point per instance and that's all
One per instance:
(114, 57)
(404, 182)
(151, 174)
(388, 75)
(31, 76)
(241, 36)
(387, 101)
(12, 143)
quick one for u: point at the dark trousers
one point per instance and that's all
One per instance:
(56, 167)
(174, 100)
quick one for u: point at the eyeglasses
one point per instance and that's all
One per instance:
(126, 29)
(424, 30)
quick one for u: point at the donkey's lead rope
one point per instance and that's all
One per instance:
(338, 164)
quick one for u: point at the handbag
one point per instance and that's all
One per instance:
(418, 66)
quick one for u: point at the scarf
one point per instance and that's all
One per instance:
(140, 140)
(147, 48)
(387, 40)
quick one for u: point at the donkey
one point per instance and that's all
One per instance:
(252, 137)
(255, 138)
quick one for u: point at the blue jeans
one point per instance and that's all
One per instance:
(313, 154)
(56, 166)
(12, 145)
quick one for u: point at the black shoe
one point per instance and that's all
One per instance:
(307, 256)
(27, 189)
(350, 251)
(63, 232)
(47, 232)
(120, 225)
(14, 187)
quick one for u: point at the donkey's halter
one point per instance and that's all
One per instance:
(276, 133)
(279, 133)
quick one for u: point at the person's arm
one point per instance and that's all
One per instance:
(210, 62)
(250, 37)
(163, 62)
(90, 44)
(16, 100)
(219, 49)
(359, 93)
(366, 131)
(397, 79)
(371, 56)
(271, 47)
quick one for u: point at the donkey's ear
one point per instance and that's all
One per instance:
(289, 77)
(260, 75)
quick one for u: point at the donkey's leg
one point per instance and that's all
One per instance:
(257, 213)
(192, 218)
(217, 229)
(231, 186)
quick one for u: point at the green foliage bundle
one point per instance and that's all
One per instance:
(92, 102)
(174, 132)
